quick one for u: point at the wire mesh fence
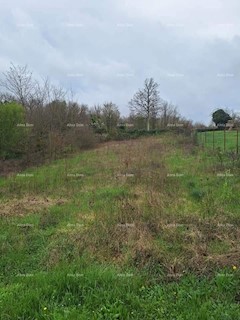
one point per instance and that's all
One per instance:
(225, 140)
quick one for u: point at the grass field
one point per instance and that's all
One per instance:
(215, 140)
(142, 229)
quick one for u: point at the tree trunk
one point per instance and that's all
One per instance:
(148, 123)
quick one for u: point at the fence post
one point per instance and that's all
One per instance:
(237, 140)
(224, 139)
(213, 140)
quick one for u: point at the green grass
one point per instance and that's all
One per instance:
(161, 244)
(205, 178)
(105, 293)
(215, 139)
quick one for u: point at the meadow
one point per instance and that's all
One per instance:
(138, 229)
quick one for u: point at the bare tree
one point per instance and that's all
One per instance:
(6, 97)
(110, 116)
(169, 114)
(18, 81)
(45, 93)
(146, 102)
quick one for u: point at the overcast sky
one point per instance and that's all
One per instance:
(104, 49)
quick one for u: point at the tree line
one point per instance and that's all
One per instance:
(39, 121)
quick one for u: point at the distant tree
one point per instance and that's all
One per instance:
(169, 114)
(110, 116)
(96, 121)
(20, 86)
(199, 125)
(18, 81)
(6, 97)
(146, 102)
(220, 117)
(235, 115)
(56, 115)
(12, 131)
(137, 120)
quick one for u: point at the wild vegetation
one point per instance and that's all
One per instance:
(138, 229)
(112, 217)
(41, 122)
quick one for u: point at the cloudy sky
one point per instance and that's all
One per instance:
(104, 49)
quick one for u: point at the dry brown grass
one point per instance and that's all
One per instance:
(27, 205)
(155, 225)
(164, 231)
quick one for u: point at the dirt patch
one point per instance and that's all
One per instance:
(27, 205)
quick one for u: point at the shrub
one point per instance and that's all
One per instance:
(12, 135)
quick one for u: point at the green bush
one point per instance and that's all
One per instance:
(12, 133)
(136, 133)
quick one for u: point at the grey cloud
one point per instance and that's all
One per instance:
(104, 50)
